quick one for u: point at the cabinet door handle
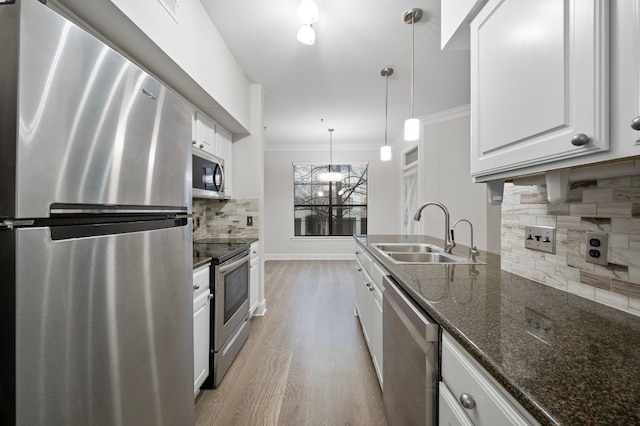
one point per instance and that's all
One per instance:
(196, 286)
(194, 142)
(467, 401)
(210, 296)
(635, 123)
(201, 145)
(580, 139)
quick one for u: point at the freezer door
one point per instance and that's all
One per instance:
(93, 127)
(104, 328)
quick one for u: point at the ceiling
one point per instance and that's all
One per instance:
(338, 79)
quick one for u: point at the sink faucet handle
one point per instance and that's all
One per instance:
(473, 251)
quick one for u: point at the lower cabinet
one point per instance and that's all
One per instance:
(469, 396)
(369, 293)
(201, 313)
(254, 277)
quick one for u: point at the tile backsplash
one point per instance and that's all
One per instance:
(225, 218)
(605, 205)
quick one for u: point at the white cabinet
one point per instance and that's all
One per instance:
(539, 84)
(450, 412)
(369, 293)
(482, 401)
(201, 314)
(254, 277)
(223, 143)
(625, 75)
(204, 134)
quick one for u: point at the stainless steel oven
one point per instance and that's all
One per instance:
(230, 314)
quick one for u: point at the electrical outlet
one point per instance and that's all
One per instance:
(542, 238)
(249, 220)
(597, 244)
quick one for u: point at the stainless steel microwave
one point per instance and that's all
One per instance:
(208, 175)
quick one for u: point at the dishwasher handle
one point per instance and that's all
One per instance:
(421, 328)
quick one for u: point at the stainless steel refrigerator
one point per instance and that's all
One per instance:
(95, 232)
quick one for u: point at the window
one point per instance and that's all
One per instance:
(330, 208)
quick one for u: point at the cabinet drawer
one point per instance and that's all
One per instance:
(463, 375)
(377, 274)
(450, 412)
(200, 280)
(364, 259)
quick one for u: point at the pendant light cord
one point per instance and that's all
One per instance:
(330, 148)
(413, 47)
(386, 107)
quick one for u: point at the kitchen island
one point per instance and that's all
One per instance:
(567, 360)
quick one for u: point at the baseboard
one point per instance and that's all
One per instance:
(260, 309)
(309, 256)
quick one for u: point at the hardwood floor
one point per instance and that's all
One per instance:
(306, 361)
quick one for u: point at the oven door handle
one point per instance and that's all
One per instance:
(224, 269)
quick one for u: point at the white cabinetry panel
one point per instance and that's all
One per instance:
(254, 277)
(201, 314)
(539, 77)
(369, 293)
(490, 404)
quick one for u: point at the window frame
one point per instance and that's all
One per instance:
(330, 207)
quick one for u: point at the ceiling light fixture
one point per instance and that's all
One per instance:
(330, 176)
(412, 125)
(385, 151)
(308, 15)
(306, 35)
(308, 12)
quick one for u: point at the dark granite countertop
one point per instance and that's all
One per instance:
(217, 250)
(566, 359)
(199, 261)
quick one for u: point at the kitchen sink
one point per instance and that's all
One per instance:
(424, 258)
(420, 253)
(408, 248)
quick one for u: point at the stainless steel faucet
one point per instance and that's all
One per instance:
(449, 244)
(473, 251)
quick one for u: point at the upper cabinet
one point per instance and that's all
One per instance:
(625, 75)
(204, 133)
(539, 84)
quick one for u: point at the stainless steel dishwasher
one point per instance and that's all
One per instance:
(410, 353)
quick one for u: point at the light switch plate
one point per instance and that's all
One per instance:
(542, 238)
(597, 246)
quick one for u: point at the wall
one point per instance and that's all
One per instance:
(225, 218)
(608, 205)
(383, 204)
(444, 176)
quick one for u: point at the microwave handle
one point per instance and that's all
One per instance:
(221, 189)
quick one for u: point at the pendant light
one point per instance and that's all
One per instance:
(330, 176)
(308, 15)
(306, 35)
(412, 125)
(385, 151)
(308, 12)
